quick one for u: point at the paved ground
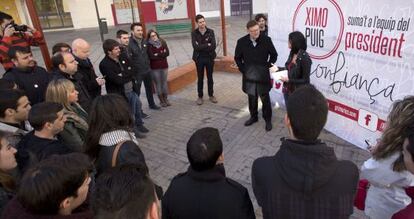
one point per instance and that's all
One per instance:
(164, 147)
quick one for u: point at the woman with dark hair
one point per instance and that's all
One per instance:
(408, 154)
(386, 170)
(298, 64)
(7, 163)
(158, 52)
(111, 133)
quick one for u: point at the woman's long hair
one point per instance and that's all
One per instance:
(297, 41)
(107, 113)
(6, 180)
(400, 119)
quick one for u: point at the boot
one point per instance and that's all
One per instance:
(166, 100)
(162, 102)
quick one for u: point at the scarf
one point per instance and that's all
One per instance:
(114, 137)
(157, 44)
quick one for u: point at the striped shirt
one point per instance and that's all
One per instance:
(18, 39)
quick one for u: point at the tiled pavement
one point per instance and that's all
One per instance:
(164, 146)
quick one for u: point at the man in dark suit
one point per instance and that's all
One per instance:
(204, 191)
(254, 55)
(304, 179)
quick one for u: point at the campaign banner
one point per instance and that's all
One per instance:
(362, 57)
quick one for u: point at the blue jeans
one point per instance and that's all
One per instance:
(136, 107)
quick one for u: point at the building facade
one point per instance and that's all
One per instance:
(78, 14)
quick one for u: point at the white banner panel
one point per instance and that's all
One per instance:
(171, 9)
(362, 53)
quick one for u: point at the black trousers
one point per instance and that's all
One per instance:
(266, 109)
(147, 79)
(208, 64)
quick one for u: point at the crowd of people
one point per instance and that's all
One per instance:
(67, 151)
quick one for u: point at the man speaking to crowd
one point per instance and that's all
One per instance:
(254, 54)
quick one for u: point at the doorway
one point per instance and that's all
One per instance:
(53, 14)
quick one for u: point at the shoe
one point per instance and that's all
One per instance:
(250, 121)
(166, 100)
(139, 134)
(162, 100)
(154, 107)
(142, 129)
(268, 126)
(199, 101)
(213, 99)
(144, 115)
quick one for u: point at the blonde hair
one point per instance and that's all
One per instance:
(399, 121)
(58, 92)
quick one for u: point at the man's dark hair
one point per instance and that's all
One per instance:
(198, 17)
(297, 42)
(108, 45)
(42, 113)
(133, 25)
(58, 47)
(45, 185)
(124, 191)
(259, 16)
(12, 53)
(58, 59)
(119, 33)
(307, 110)
(9, 100)
(6, 84)
(251, 23)
(4, 16)
(204, 148)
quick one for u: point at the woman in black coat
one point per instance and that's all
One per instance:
(298, 64)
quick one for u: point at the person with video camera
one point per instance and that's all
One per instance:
(12, 35)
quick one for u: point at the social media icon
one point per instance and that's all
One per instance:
(368, 120)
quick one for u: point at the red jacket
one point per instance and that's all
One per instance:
(407, 212)
(19, 39)
(158, 56)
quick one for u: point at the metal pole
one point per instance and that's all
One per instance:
(251, 9)
(192, 13)
(36, 24)
(99, 22)
(141, 16)
(132, 11)
(223, 27)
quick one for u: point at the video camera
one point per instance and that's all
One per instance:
(19, 28)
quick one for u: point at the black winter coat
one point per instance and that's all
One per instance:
(85, 99)
(117, 74)
(304, 180)
(139, 57)
(32, 149)
(129, 152)
(200, 44)
(299, 73)
(254, 63)
(205, 195)
(33, 81)
(85, 68)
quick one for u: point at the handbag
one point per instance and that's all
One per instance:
(115, 153)
(361, 194)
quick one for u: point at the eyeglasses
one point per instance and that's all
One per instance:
(153, 35)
